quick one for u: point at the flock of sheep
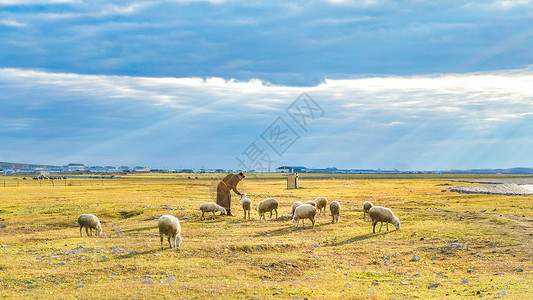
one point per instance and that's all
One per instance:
(170, 226)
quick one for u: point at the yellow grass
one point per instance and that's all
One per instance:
(42, 254)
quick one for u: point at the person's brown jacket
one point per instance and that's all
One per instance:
(223, 190)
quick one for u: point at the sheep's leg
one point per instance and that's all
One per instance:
(276, 213)
(374, 223)
(380, 226)
(313, 221)
(87, 230)
(169, 243)
(332, 219)
(270, 215)
(202, 217)
(81, 227)
(213, 214)
(387, 226)
(244, 213)
(161, 242)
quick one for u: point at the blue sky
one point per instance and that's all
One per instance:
(185, 84)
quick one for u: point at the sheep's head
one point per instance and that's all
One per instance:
(222, 210)
(294, 221)
(178, 238)
(98, 229)
(243, 196)
(396, 223)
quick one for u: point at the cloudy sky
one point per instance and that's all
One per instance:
(412, 85)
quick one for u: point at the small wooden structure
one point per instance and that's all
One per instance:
(292, 181)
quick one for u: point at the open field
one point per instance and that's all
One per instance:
(469, 245)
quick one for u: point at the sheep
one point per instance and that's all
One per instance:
(334, 208)
(311, 202)
(294, 206)
(383, 214)
(170, 226)
(321, 203)
(246, 205)
(269, 204)
(367, 205)
(90, 222)
(304, 211)
(212, 208)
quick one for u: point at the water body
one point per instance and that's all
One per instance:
(528, 187)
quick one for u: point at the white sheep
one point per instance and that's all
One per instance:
(304, 211)
(335, 209)
(90, 222)
(367, 205)
(170, 226)
(311, 202)
(294, 206)
(383, 214)
(270, 205)
(212, 208)
(321, 203)
(246, 205)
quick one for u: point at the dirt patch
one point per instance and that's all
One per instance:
(520, 227)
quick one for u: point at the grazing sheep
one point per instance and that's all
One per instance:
(246, 205)
(170, 226)
(383, 214)
(294, 206)
(90, 222)
(212, 208)
(366, 207)
(304, 211)
(311, 202)
(321, 203)
(335, 209)
(269, 204)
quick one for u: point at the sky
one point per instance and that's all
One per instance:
(408, 85)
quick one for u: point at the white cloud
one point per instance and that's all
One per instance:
(10, 23)
(358, 3)
(397, 115)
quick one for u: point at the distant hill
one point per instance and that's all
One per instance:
(22, 165)
(517, 170)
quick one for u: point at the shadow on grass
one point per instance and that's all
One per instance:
(290, 229)
(149, 252)
(217, 219)
(140, 229)
(277, 232)
(357, 239)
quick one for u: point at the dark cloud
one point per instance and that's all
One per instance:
(296, 43)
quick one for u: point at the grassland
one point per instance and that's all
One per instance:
(469, 245)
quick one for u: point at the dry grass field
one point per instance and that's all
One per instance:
(468, 245)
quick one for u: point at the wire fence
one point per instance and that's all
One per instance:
(50, 182)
